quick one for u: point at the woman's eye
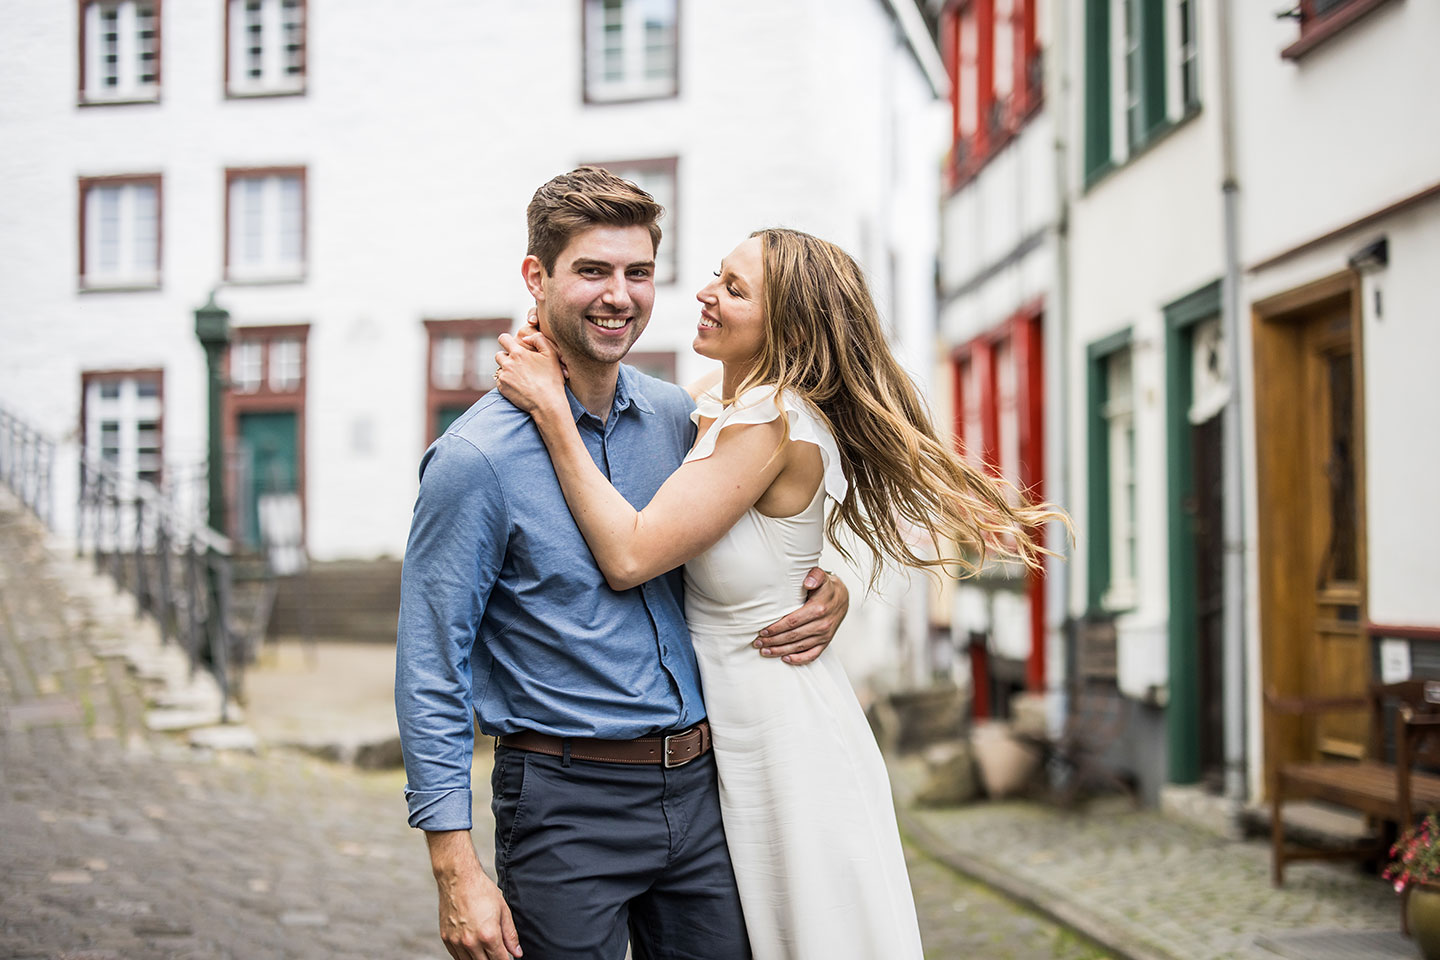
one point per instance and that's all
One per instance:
(732, 291)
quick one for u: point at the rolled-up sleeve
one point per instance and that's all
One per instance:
(456, 547)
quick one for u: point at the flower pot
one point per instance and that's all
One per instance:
(1422, 915)
(1007, 764)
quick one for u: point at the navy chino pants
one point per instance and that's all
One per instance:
(590, 855)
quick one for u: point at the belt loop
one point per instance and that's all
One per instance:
(565, 752)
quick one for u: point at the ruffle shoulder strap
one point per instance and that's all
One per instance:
(757, 405)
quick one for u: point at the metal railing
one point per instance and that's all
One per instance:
(150, 542)
(179, 571)
(27, 464)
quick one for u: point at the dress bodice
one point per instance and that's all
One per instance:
(754, 575)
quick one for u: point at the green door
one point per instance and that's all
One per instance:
(268, 461)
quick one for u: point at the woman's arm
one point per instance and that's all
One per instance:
(693, 508)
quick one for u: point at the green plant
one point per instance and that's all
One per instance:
(1415, 857)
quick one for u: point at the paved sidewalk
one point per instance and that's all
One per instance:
(1150, 887)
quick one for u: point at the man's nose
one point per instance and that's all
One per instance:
(617, 292)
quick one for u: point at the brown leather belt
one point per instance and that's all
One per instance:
(671, 750)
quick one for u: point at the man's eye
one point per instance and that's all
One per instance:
(640, 274)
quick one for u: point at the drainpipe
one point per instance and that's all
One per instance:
(1234, 520)
(1059, 572)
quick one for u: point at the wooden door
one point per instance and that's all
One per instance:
(1310, 516)
(1342, 658)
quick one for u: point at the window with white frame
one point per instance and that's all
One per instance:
(461, 367)
(122, 423)
(120, 51)
(286, 365)
(266, 47)
(657, 178)
(631, 49)
(120, 232)
(247, 366)
(266, 216)
(1119, 416)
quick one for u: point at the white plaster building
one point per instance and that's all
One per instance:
(1339, 158)
(1146, 260)
(354, 184)
(998, 289)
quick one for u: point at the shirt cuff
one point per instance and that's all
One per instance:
(439, 809)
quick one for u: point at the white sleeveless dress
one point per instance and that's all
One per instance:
(806, 801)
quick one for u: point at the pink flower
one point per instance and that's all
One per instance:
(1399, 886)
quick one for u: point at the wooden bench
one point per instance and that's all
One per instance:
(1384, 791)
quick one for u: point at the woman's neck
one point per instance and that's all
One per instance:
(733, 377)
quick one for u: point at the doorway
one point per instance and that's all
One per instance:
(1309, 402)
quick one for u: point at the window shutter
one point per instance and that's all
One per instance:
(1097, 86)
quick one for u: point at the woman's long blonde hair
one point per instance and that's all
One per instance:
(824, 342)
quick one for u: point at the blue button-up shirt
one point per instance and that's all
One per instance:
(504, 612)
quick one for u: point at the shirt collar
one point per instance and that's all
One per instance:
(627, 394)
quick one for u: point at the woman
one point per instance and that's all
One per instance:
(811, 403)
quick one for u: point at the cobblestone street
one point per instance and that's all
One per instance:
(123, 844)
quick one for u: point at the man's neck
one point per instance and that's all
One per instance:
(594, 386)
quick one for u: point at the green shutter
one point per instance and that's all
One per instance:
(1097, 87)
(1152, 58)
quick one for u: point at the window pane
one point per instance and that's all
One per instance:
(246, 361)
(108, 233)
(449, 363)
(483, 364)
(284, 365)
(1004, 49)
(291, 220)
(252, 217)
(146, 227)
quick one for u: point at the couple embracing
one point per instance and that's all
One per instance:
(591, 546)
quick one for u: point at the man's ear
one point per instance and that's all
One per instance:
(534, 272)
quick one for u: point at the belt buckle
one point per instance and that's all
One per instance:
(665, 747)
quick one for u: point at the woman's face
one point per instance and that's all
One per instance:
(732, 311)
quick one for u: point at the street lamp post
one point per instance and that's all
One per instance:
(212, 327)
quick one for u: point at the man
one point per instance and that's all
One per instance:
(607, 820)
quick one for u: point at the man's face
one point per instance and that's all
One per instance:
(599, 297)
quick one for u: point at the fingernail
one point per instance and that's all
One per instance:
(765, 632)
(787, 659)
(809, 584)
(757, 643)
(767, 652)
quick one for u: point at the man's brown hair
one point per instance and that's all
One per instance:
(583, 198)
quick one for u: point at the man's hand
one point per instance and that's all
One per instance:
(475, 921)
(802, 636)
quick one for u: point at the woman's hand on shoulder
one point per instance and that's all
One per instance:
(528, 372)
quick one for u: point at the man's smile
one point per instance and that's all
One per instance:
(609, 323)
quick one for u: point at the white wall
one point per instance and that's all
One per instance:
(423, 142)
(1142, 236)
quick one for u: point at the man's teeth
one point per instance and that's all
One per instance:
(609, 323)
